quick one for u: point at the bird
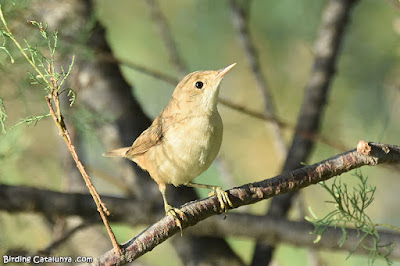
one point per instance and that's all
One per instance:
(184, 139)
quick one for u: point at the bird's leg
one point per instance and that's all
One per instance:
(222, 195)
(176, 213)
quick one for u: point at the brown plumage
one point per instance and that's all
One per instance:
(184, 139)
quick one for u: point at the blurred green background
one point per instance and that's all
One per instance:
(364, 103)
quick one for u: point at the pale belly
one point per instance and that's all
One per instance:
(188, 152)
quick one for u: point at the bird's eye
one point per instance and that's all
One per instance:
(199, 84)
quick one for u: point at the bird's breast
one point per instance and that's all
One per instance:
(189, 146)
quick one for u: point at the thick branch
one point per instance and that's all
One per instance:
(16, 199)
(265, 229)
(269, 230)
(251, 193)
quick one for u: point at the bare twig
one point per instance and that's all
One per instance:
(251, 193)
(312, 136)
(240, 19)
(108, 57)
(47, 251)
(165, 34)
(53, 98)
(101, 208)
(330, 36)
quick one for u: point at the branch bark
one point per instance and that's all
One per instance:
(135, 212)
(252, 193)
(266, 229)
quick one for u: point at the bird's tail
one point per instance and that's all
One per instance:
(121, 152)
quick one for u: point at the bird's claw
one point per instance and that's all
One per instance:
(177, 214)
(223, 198)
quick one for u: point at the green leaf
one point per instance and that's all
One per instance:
(30, 120)
(349, 208)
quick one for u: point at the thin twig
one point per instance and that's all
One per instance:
(315, 137)
(56, 114)
(10, 35)
(108, 57)
(46, 251)
(312, 136)
(101, 208)
(240, 20)
(166, 34)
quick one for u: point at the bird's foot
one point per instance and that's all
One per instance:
(223, 198)
(177, 214)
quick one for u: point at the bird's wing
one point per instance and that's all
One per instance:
(149, 138)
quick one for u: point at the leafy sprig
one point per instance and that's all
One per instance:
(53, 81)
(30, 120)
(350, 210)
(45, 71)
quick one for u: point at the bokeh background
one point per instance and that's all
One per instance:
(364, 103)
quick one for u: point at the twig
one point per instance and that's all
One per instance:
(252, 193)
(334, 21)
(108, 57)
(46, 251)
(101, 208)
(165, 34)
(240, 20)
(312, 136)
(53, 96)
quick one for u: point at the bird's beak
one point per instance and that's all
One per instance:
(223, 71)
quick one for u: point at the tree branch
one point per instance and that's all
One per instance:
(14, 199)
(262, 228)
(297, 233)
(265, 229)
(252, 193)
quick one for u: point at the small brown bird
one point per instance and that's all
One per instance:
(184, 139)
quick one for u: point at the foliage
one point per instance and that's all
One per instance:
(45, 75)
(350, 211)
(30, 120)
